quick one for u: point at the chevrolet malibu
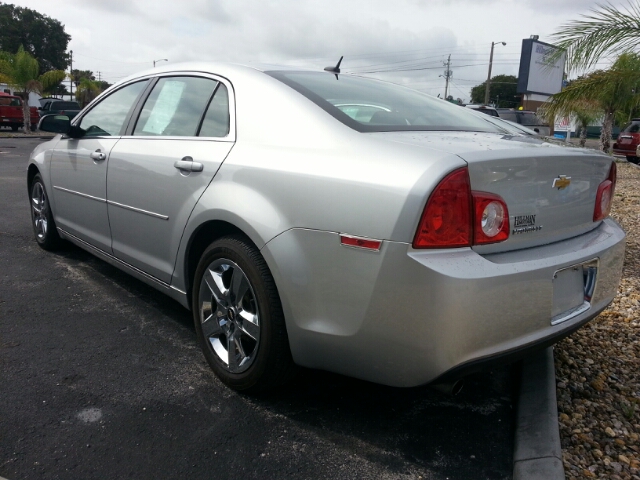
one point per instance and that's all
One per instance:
(331, 221)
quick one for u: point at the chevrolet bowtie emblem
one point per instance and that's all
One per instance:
(562, 181)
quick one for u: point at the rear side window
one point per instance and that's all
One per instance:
(107, 117)
(175, 107)
(216, 121)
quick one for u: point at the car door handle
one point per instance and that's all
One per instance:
(188, 165)
(98, 156)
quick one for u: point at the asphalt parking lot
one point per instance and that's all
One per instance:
(101, 378)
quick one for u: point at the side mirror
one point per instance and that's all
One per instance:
(59, 124)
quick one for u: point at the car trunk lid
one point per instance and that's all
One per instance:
(550, 191)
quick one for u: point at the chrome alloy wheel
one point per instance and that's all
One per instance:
(39, 207)
(229, 315)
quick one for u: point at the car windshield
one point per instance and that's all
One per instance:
(369, 105)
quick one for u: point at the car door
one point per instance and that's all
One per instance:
(158, 172)
(79, 167)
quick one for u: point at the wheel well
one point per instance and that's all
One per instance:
(31, 172)
(200, 240)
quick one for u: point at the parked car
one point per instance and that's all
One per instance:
(525, 118)
(12, 115)
(487, 110)
(628, 141)
(411, 247)
(59, 107)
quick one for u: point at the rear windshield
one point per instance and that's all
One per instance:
(528, 118)
(10, 101)
(633, 127)
(368, 105)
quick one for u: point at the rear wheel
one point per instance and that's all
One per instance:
(44, 227)
(15, 128)
(632, 159)
(238, 317)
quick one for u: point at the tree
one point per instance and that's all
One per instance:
(503, 91)
(604, 30)
(608, 92)
(87, 90)
(43, 37)
(21, 72)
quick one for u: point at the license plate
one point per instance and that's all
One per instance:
(573, 288)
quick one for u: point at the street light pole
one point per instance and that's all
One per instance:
(161, 60)
(488, 86)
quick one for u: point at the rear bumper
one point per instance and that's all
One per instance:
(406, 317)
(626, 150)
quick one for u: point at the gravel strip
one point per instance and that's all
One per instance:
(597, 368)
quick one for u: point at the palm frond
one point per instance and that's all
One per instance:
(605, 30)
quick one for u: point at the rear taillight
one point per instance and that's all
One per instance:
(604, 196)
(456, 217)
(446, 219)
(491, 221)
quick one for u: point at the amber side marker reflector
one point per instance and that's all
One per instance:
(360, 242)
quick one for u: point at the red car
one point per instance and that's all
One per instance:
(628, 141)
(11, 114)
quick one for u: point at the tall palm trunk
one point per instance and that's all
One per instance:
(605, 134)
(26, 114)
(583, 134)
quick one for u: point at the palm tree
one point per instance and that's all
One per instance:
(87, 90)
(605, 91)
(604, 30)
(21, 72)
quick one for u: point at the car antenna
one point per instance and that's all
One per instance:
(336, 69)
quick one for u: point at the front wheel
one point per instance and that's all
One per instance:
(44, 227)
(238, 317)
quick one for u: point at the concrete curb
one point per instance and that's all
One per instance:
(537, 454)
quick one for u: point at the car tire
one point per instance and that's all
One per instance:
(44, 227)
(239, 319)
(14, 128)
(34, 127)
(632, 159)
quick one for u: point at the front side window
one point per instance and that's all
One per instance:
(369, 105)
(175, 107)
(107, 117)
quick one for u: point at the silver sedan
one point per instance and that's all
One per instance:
(316, 219)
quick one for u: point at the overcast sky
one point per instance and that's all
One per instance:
(405, 41)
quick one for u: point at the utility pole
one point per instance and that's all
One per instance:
(99, 77)
(447, 75)
(71, 73)
(488, 85)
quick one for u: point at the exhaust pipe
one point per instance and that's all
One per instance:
(452, 388)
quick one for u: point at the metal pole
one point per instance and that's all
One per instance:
(488, 85)
(446, 76)
(71, 73)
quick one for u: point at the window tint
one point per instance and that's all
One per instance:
(216, 121)
(634, 127)
(528, 118)
(385, 106)
(107, 117)
(175, 107)
(511, 116)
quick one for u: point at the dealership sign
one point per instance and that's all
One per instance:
(537, 73)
